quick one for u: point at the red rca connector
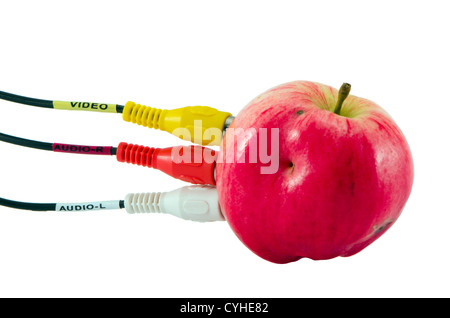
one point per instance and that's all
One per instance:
(194, 164)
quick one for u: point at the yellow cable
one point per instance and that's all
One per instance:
(199, 124)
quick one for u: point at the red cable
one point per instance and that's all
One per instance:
(194, 164)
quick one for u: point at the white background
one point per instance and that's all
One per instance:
(222, 54)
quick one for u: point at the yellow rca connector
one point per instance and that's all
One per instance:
(199, 124)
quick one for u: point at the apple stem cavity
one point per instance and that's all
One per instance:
(344, 91)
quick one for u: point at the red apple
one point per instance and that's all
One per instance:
(343, 174)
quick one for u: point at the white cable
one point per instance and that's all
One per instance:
(196, 203)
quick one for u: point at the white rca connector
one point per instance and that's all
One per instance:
(196, 203)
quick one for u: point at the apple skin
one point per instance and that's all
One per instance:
(342, 180)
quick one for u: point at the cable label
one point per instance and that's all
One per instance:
(88, 206)
(87, 150)
(93, 107)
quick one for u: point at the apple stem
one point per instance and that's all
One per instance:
(342, 95)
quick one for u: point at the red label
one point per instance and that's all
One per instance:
(88, 150)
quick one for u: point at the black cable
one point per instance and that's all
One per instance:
(27, 205)
(50, 146)
(119, 109)
(38, 206)
(26, 142)
(37, 102)
(26, 100)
